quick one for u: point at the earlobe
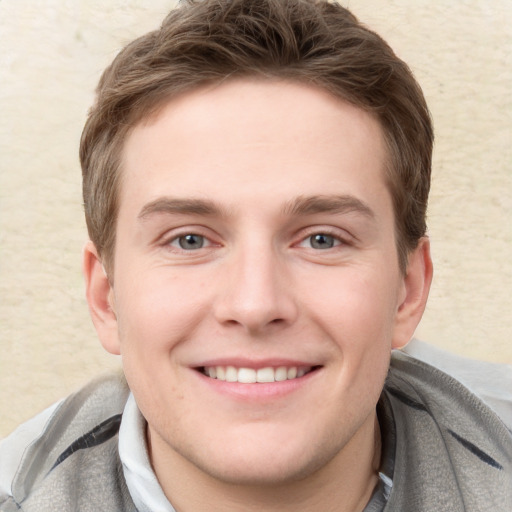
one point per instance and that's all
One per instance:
(416, 287)
(100, 297)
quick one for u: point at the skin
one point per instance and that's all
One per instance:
(255, 169)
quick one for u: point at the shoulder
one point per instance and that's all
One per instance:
(491, 382)
(452, 450)
(70, 450)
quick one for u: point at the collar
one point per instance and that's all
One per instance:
(142, 483)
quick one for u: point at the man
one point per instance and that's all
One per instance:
(256, 178)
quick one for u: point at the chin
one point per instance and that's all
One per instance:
(267, 473)
(266, 464)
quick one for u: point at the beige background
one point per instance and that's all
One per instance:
(51, 56)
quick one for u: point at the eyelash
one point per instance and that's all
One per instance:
(321, 238)
(176, 241)
(335, 236)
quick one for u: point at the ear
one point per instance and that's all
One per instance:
(100, 297)
(414, 294)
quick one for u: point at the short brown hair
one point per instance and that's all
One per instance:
(309, 41)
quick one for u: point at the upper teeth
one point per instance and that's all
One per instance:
(250, 375)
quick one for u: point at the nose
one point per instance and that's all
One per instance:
(257, 294)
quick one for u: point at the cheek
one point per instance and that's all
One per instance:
(358, 314)
(157, 314)
(157, 311)
(362, 305)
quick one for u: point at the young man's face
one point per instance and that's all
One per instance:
(256, 240)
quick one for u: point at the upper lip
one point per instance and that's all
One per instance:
(255, 363)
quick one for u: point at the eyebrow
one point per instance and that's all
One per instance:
(300, 206)
(189, 206)
(312, 205)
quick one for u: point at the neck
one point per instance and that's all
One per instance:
(343, 484)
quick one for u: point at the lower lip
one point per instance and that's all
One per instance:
(257, 391)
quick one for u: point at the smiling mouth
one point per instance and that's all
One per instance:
(260, 375)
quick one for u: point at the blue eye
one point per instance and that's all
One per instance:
(190, 242)
(322, 241)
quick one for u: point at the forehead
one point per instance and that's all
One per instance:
(248, 136)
